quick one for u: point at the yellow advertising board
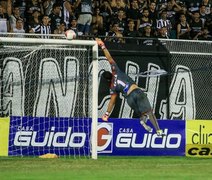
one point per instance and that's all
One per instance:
(199, 138)
(4, 136)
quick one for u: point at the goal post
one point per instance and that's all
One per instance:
(51, 78)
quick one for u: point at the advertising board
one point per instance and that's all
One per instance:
(198, 138)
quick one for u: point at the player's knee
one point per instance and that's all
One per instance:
(143, 118)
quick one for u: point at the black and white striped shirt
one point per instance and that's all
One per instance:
(164, 23)
(44, 30)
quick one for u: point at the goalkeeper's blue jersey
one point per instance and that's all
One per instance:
(120, 81)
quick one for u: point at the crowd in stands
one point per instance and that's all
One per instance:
(120, 21)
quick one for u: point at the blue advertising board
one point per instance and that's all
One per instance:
(37, 136)
(118, 137)
(127, 137)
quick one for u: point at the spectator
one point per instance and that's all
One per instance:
(14, 16)
(48, 6)
(106, 12)
(142, 4)
(22, 6)
(120, 19)
(117, 4)
(161, 5)
(208, 22)
(74, 27)
(85, 16)
(96, 3)
(7, 6)
(153, 15)
(202, 12)
(196, 24)
(113, 3)
(34, 20)
(61, 28)
(109, 15)
(43, 28)
(97, 23)
(131, 33)
(55, 18)
(183, 28)
(193, 5)
(115, 35)
(145, 21)
(164, 22)
(172, 9)
(203, 35)
(133, 13)
(4, 21)
(208, 5)
(19, 28)
(163, 33)
(31, 6)
(120, 4)
(147, 36)
(67, 12)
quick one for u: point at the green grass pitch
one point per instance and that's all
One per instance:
(112, 168)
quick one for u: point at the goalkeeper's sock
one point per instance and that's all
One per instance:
(146, 127)
(144, 118)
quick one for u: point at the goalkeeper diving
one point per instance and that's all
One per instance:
(136, 98)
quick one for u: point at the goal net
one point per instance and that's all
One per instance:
(49, 90)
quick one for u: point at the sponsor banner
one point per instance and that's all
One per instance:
(198, 138)
(62, 136)
(127, 137)
(199, 150)
(4, 135)
(68, 136)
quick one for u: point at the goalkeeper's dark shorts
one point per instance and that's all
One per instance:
(138, 101)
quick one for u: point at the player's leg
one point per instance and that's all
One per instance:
(154, 122)
(133, 103)
(143, 120)
(146, 108)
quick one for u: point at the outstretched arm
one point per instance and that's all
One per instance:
(113, 96)
(110, 107)
(104, 49)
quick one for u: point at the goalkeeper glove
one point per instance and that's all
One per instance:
(105, 116)
(100, 43)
